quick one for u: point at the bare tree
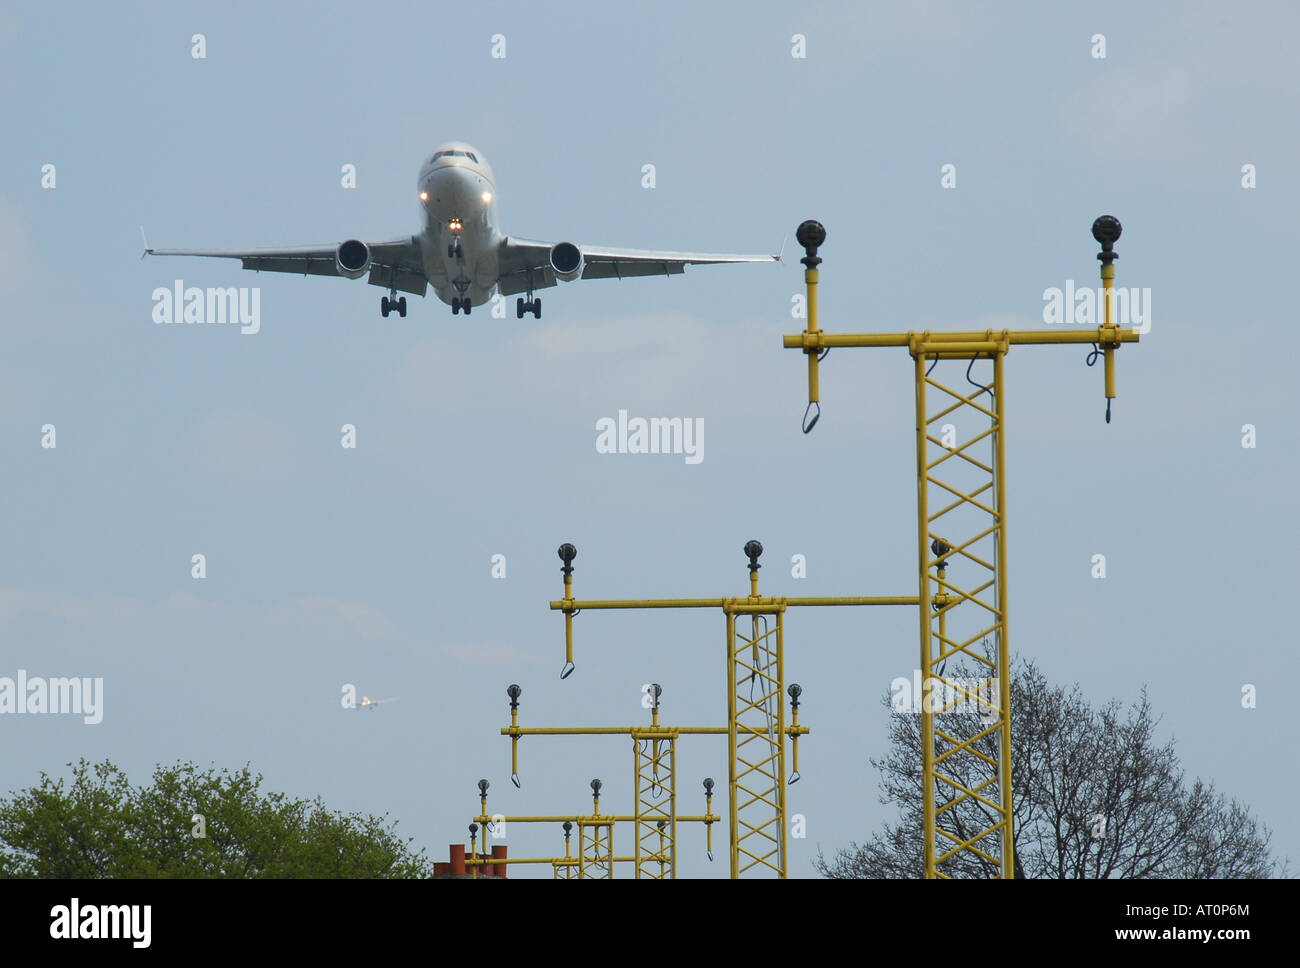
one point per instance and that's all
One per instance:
(1093, 796)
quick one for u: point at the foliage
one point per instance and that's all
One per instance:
(100, 826)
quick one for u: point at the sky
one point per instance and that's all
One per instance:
(476, 436)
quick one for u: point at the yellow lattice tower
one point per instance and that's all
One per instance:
(962, 525)
(756, 727)
(655, 820)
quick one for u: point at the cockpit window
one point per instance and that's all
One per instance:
(455, 154)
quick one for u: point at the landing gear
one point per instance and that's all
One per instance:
(454, 251)
(387, 306)
(531, 304)
(460, 305)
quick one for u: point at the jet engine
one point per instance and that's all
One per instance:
(566, 260)
(352, 259)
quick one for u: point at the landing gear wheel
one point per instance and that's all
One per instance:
(537, 308)
(455, 305)
(465, 306)
(401, 307)
(384, 306)
(519, 308)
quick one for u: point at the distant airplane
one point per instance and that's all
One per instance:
(460, 252)
(367, 701)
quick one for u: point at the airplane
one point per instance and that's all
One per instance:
(460, 252)
(366, 701)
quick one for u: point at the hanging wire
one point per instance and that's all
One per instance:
(973, 382)
(807, 424)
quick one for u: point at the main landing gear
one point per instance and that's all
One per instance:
(460, 305)
(529, 305)
(387, 306)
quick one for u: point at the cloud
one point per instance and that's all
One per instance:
(369, 623)
(101, 610)
(164, 620)
(491, 654)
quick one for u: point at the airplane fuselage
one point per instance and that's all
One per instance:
(459, 250)
(459, 241)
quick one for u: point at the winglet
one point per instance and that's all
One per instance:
(147, 250)
(784, 239)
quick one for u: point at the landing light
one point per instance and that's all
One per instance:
(424, 196)
(487, 196)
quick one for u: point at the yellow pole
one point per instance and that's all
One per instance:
(923, 585)
(636, 792)
(810, 282)
(1004, 664)
(1108, 350)
(567, 553)
(731, 741)
(672, 808)
(780, 738)
(568, 622)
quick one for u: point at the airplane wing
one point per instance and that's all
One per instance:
(394, 263)
(518, 257)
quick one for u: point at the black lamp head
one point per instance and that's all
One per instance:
(1106, 230)
(811, 234)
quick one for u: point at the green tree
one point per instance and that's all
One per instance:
(1093, 796)
(100, 826)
